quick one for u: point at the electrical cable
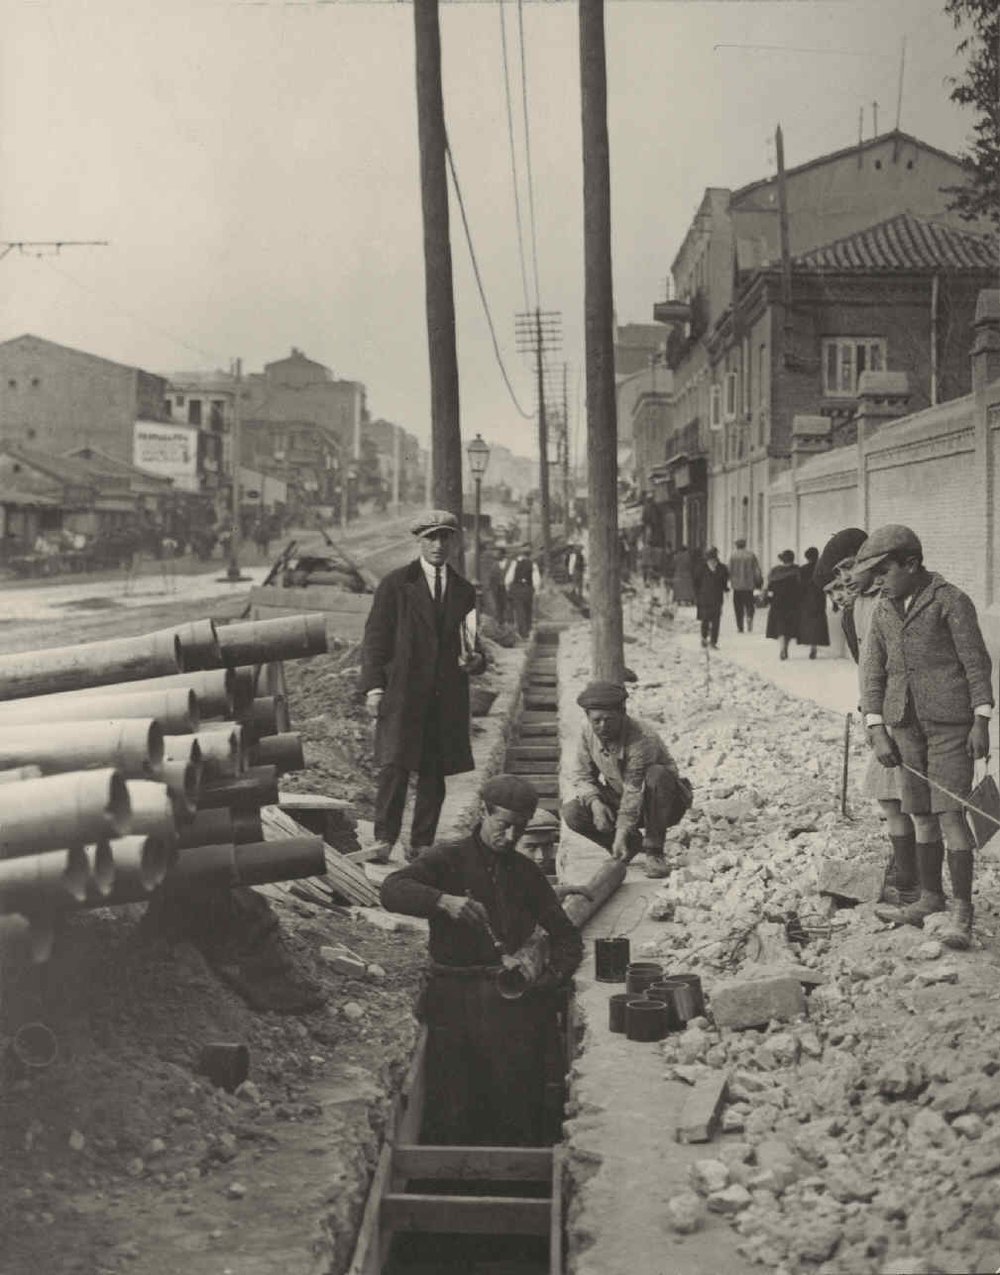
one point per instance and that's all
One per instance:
(479, 282)
(527, 153)
(513, 155)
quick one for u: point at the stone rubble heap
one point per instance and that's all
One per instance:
(862, 1135)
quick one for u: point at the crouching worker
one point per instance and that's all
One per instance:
(626, 789)
(926, 674)
(486, 1059)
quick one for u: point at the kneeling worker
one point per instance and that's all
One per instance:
(626, 789)
(486, 1054)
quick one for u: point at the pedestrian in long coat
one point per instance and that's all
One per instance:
(683, 577)
(784, 590)
(711, 584)
(416, 656)
(813, 628)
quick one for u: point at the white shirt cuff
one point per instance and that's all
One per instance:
(983, 710)
(376, 690)
(874, 719)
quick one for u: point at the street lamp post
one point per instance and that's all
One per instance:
(479, 457)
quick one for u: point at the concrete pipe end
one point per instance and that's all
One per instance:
(154, 746)
(155, 859)
(118, 806)
(99, 866)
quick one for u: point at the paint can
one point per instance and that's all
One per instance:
(640, 974)
(616, 1011)
(663, 991)
(611, 960)
(225, 1065)
(645, 1019)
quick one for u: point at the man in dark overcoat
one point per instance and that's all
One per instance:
(418, 650)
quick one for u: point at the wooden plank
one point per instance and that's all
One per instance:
(499, 1164)
(556, 1253)
(700, 1117)
(371, 1250)
(536, 752)
(466, 1214)
(532, 766)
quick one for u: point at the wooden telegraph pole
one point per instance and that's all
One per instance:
(606, 637)
(446, 441)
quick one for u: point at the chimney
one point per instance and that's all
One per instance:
(986, 343)
(882, 396)
(810, 434)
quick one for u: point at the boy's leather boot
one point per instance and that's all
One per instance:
(957, 931)
(899, 886)
(930, 858)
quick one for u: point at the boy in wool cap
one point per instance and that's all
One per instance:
(926, 673)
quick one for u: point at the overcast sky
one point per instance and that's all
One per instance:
(255, 167)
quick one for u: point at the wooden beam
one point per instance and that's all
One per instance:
(466, 1214)
(509, 1164)
(556, 1253)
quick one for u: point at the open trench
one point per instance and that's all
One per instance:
(436, 1210)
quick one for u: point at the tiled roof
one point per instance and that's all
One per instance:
(905, 242)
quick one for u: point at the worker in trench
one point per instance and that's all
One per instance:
(486, 1059)
(626, 788)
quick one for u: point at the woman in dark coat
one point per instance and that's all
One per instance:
(711, 584)
(683, 577)
(784, 590)
(813, 629)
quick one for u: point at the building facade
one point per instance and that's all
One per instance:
(297, 389)
(755, 341)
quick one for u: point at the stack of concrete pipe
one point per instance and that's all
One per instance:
(142, 764)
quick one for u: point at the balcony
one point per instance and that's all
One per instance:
(686, 442)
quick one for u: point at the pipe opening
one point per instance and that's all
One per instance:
(118, 806)
(154, 861)
(97, 866)
(154, 747)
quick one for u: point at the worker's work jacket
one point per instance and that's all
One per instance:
(621, 768)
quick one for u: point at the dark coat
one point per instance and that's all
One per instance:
(813, 628)
(710, 587)
(683, 578)
(403, 654)
(784, 589)
(932, 657)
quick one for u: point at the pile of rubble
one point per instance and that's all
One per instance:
(855, 1064)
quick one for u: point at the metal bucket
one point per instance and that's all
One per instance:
(640, 975)
(645, 1019)
(663, 991)
(687, 996)
(617, 1003)
(611, 960)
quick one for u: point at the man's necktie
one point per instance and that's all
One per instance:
(437, 589)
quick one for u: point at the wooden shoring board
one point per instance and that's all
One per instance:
(492, 1164)
(466, 1214)
(557, 1255)
(373, 1243)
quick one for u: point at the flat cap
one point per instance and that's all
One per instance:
(602, 695)
(512, 793)
(841, 545)
(892, 538)
(433, 520)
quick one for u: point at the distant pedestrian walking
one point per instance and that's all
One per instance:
(494, 574)
(711, 583)
(745, 576)
(813, 628)
(784, 590)
(523, 580)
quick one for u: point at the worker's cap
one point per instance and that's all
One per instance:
(433, 520)
(602, 695)
(841, 545)
(512, 794)
(892, 538)
(543, 826)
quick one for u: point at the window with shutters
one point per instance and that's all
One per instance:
(730, 396)
(715, 408)
(845, 358)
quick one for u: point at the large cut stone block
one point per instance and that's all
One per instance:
(755, 1002)
(853, 880)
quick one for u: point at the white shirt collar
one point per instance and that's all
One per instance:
(429, 574)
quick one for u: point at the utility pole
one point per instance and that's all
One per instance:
(567, 501)
(233, 570)
(539, 332)
(606, 629)
(786, 255)
(446, 440)
(397, 451)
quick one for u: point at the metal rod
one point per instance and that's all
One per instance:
(847, 761)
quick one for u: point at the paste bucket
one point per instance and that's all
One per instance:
(645, 1019)
(640, 974)
(663, 991)
(611, 959)
(617, 1003)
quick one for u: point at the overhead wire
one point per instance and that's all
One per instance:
(513, 154)
(527, 152)
(479, 281)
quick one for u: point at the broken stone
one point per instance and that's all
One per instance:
(928, 951)
(236, 1190)
(376, 972)
(77, 1141)
(937, 974)
(709, 1176)
(846, 1185)
(343, 960)
(779, 1050)
(900, 1079)
(734, 1199)
(755, 1002)
(819, 1243)
(970, 1125)
(685, 1212)
(353, 1011)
